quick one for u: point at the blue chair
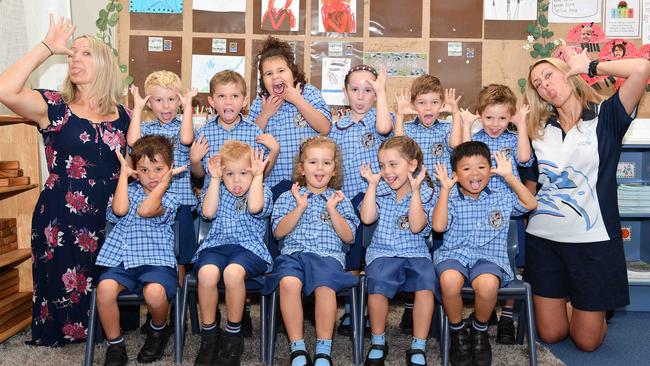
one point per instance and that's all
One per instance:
(95, 327)
(518, 290)
(190, 287)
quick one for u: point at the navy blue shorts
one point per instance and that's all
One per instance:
(389, 276)
(593, 276)
(223, 255)
(134, 279)
(482, 266)
(187, 244)
(312, 270)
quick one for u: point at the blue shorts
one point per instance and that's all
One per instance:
(390, 275)
(593, 276)
(134, 279)
(482, 266)
(312, 270)
(223, 255)
(187, 244)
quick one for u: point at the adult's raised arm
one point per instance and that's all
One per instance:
(13, 94)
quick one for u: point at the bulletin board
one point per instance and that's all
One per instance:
(465, 50)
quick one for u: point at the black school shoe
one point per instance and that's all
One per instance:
(406, 324)
(299, 353)
(208, 351)
(230, 350)
(376, 361)
(247, 325)
(481, 348)
(116, 355)
(411, 352)
(325, 357)
(506, 331)
(460, 353)
(154, 346)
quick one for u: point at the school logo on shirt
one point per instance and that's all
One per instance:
(325, 216)
(505, 151)
(367, 140)
(240, 204)
(299, 120)
(403, 222)
(495, 219)
(437, 149)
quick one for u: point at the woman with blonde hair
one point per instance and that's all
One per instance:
(82, 127)
(575, 260)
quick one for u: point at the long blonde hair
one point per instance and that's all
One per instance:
(107, 87)
(540, 110)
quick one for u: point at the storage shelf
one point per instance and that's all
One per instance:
(15, 257)
(17, 188)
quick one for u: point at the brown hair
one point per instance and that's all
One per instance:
(409, 149)
(152, 145)
(425, 84)
(228, 77)
(318, 141)
(275, 48)
(361, 67)
(496, 94)
(233, 150)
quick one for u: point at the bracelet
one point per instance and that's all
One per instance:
(592, 70)
(48, 48)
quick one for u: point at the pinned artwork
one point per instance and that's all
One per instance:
(220, 6)
(622, 18)
(205, 66)
(338, 16)
(594, 82)
(644, 52)
(398, 64)
(588, 35)
(510, 9)
(156, 6)
(281, 15)
(572, 11)
(334, 70)
(617, 49)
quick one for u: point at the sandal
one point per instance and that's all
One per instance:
(324, 356)
(376, 361)
(299, 353)
(411, 352)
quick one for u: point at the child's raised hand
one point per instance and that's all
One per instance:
(199, 149)
(519, 119)
(451, 102)
(268, 140)
(367, 173)
(172, 172)
(270, 105)
(334, 200)
(258, 163)
(138, 102)
(125, 168)
(301, 200)
(187, 99)
(578, 62)
(468, 117)
(417, 181)
(379, 85)
(446, 182)
(504, 165)
(57, 36)
(403, 101)
(292, 94)
(214, 166)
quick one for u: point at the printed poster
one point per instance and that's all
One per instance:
(398, 64)
(333, 80)
(156, 6)
(575, 11)
(622, 18)
(510, 9)
(205, 66)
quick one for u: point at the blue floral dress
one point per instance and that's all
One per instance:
(69, 218)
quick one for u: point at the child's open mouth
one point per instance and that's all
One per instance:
(475, 184)
(237, 190)
(428, 119)
(278, 88)
(390, 180)
(319, 178)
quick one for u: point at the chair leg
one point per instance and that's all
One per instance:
(530, 317)
(444, 342)
(354, 315)
(273, 318)
(522, 320)
(179, 327)
(263, 328)
(194, 315)
(90, 340)
(361, 318)
(183, 314)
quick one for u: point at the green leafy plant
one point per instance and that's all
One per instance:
(106, 23)
(538, 42)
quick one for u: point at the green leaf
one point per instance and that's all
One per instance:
(543, 21)
(522, 83)
(115, 52)
(101, 24)
(550, 34)
(103, 14)
(112, 21)
(118, 7)
(550, 46)
(534, 54)
(128, 80)
(544, 54)
(110, 6)
(123, 68)
(545, 33)
(537, 46)
(536, 33)
(531, 28)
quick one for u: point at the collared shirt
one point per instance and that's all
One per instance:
(180, 185)
(314, 232)
(359, 143)
(393, 236)
(434, 142)
(478, 228)
(139, 241)
(578, 202)
(507, 144)
(244, 131)
(234, 224)
(290, 129)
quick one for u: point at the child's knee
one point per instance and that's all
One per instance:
(290, 285)
(107, 290)
(451, 282)
(209, 275)
(154, 293)
(486, 285)
(234, 275)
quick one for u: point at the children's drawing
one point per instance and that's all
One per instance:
(334, 70)
(589, 35)
(398, 64)
(205, 66)
(593, 82)
(156, 6)
(220, 6)
(337, 16)
(510, 9)
(280, 15)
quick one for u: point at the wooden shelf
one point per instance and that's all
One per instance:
(22, 324)
(15, 313)
(17, 188)
(15, 257)
(12, 118)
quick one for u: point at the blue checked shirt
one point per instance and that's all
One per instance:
(233, 224)
(359, 143)
(478, 229)
(181, 185)
(140, 241)
(434, 142)
(393, 236)
(314, 232)
(290, 129)
(505, 143)
(217, 135)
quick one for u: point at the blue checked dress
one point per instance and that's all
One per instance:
(434, 142)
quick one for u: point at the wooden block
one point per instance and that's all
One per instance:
(8, 277)
(8, 231)
(10, 182)
(5, 223)
(7, 248)
(15, 315)
(11, 173)
(7, 291)
(9, 303)
(9, 239)
(12, 164)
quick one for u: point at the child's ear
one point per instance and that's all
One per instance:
(211, 101)
(247, 100)
(413, 165)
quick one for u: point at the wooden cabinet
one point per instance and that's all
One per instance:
(18, 141)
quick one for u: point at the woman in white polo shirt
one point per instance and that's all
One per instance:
(574, 251)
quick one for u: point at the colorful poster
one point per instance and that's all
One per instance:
(645, 34)
(510, 10)
(280, 15)
(333, 81)
(575, 11)
(398, 64)
(156, 6)
(220, 6)
(338, 16)
(205, 66)
(622, 18)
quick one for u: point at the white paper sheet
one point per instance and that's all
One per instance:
(205, 66)
(622, 22)
(334, 70)
(645, 22)
(346, 7)
(294, 8)
(220, 5)
(510, 9)
(575, 11)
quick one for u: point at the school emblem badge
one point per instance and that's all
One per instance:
(367, 140)
(505, 151)
(240, 204)
(495, 219)
(403, 222)
(325, 216)
(437, 149)
(299, 120)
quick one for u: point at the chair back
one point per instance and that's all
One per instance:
(202, 230)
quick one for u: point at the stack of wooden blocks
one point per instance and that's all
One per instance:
(11, 174)
(8, 236)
